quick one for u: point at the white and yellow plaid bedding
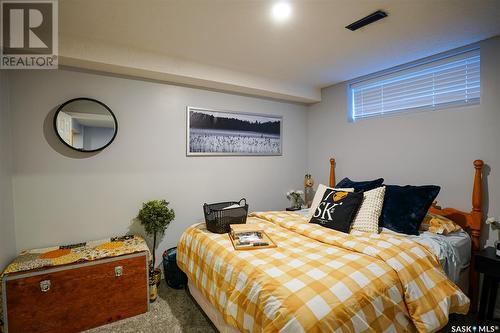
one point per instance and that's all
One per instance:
(320, 280)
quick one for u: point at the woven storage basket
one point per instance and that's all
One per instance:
(218, 217)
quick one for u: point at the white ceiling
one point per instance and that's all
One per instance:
(312, 49)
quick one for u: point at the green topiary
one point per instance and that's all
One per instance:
(155, 216)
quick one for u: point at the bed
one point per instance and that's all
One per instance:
(321, 280)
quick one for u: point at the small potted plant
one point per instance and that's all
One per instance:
(155, 216)
(295, 196)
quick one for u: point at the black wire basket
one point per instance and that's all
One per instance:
(218, 217)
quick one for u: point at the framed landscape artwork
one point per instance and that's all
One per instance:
(214, 132)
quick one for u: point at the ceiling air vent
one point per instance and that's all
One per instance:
(367, 20)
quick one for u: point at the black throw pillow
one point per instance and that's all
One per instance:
(337, 209)
(360, 186)
(405, 207)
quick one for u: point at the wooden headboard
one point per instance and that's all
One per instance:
(469, 221)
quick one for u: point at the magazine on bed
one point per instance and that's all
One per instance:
(249, 237)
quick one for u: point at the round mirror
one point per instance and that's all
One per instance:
(85, 124)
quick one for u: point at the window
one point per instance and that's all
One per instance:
(430, 84)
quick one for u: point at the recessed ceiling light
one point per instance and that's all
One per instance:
(281, 11)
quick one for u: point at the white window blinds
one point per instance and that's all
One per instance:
(447, 81)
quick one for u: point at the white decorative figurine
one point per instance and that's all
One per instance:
(494, 225)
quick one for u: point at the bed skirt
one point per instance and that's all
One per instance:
(212, 313)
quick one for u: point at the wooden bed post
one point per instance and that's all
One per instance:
(332, 172)
(475, 222)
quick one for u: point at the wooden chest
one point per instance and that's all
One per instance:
(76, 297)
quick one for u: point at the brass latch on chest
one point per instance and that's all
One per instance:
(45, 286)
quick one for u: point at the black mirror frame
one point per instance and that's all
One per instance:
(91, 100)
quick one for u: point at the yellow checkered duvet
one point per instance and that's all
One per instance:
(320, 280)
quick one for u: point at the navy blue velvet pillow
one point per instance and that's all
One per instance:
(360, 186)
(405, 207)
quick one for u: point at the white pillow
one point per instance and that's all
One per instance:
(369, 212)
(319, 196)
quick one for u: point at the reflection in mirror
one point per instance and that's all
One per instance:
(85, 124)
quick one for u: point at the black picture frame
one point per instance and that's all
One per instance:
(61, 107)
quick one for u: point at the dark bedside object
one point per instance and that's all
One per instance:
(174, 277)
(488, 264)
(292, 209)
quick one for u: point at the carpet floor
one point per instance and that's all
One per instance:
(175, 311)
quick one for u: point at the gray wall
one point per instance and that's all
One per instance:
(417, 148)
(7, 236)
(61, 197)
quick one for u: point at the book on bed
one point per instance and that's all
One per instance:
(249, 237)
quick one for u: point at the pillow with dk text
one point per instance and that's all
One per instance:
(337, 209)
